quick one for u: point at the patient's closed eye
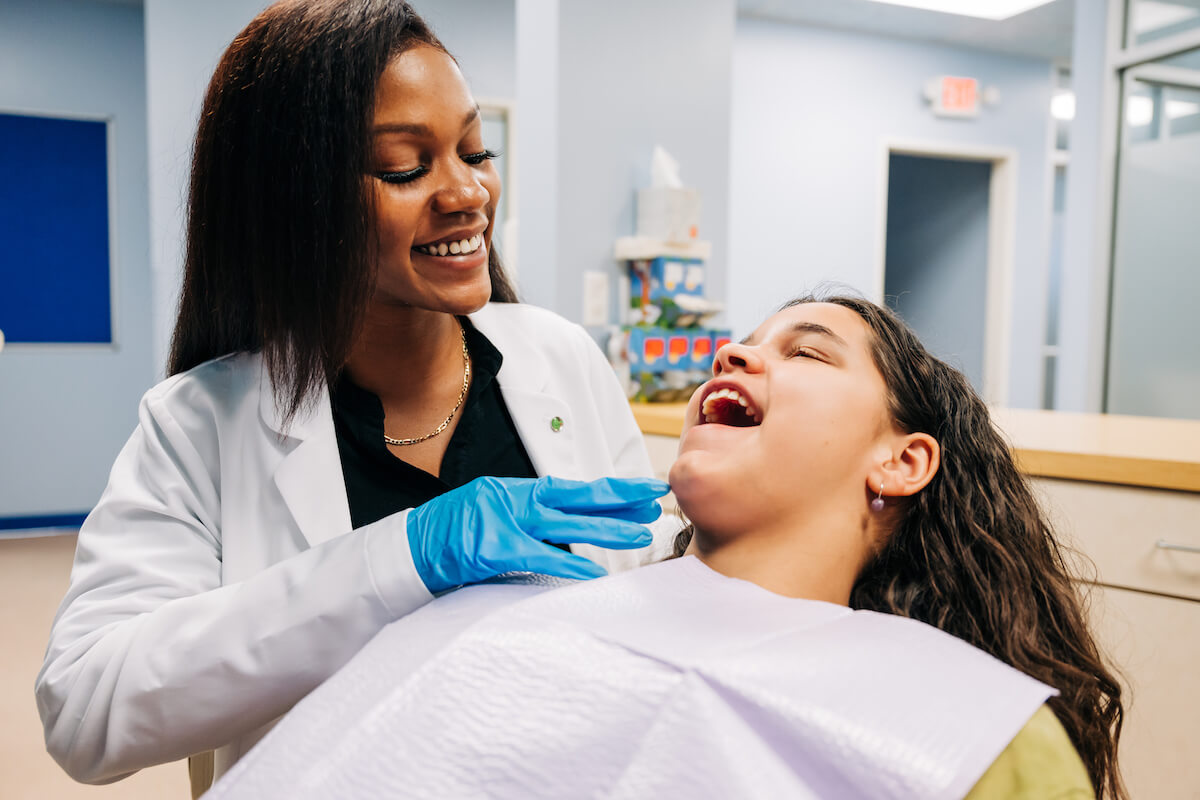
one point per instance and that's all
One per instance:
(802, 351)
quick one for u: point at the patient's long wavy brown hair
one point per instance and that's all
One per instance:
(973, 554)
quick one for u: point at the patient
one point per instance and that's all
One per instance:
(868, 603)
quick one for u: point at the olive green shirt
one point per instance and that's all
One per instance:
(1039, 764)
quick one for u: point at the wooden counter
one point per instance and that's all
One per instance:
(1102, 448)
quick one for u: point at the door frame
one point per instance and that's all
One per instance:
(1002, 208)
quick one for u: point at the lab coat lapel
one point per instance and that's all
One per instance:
(534, 413)
(309, 477)
(525, 385)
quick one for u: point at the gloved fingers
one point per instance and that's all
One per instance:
(643, 513)
(602, 496)
(544, 559)
(615, 534)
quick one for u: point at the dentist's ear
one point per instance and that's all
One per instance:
(915, 460)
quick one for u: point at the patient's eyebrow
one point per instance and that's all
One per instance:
(807, 327)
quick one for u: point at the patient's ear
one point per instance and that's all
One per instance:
(915, 460)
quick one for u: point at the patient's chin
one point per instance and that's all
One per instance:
(715, 518)
(688, 478)
(696, 471)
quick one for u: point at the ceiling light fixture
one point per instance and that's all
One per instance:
(1181, 108)
(1139, 110)
(984, 9)
(1062, 105)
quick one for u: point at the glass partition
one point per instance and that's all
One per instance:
(1154, 329)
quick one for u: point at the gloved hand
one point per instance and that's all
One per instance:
(495, 525)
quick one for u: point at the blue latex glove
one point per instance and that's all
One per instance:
(495, 525)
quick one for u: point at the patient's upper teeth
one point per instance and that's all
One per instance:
(455, 248)
(465, 246)
(709, 405)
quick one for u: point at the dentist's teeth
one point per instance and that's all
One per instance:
(461, 247)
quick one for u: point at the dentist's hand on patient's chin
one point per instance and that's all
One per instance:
(495, 525)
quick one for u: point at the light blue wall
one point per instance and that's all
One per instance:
(482, 36)
(937, 249)
(184, 41)
(1079, 384)
(66, 411)
(537, 139)
(600, 85)
(811, 111)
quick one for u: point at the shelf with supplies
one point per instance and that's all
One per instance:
(665, 344)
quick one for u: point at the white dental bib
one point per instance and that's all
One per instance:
(667, 681)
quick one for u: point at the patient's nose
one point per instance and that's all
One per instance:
(736, 355)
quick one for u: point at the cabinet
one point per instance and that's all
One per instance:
(1145, 612)
(1155, 643)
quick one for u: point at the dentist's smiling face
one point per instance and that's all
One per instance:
(435, 188)
(790, 423)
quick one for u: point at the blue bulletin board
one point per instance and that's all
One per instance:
(55, 275)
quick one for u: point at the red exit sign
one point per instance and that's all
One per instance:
(954, 97)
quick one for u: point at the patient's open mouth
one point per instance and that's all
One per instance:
(729, 407)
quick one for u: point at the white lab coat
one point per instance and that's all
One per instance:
(218, 580)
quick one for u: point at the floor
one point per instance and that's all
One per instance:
(33, 579)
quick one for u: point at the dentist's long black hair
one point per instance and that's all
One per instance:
(280, 227)
(973, 554)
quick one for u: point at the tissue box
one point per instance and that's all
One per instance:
(669, 214)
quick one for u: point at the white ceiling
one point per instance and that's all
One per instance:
(1044, 32)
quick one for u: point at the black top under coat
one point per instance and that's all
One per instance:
(485, 442)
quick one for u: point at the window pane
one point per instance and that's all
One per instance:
(1150, 20)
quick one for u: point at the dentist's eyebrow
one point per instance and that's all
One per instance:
(417, 129)
(807, 327)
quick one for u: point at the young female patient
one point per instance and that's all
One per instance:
(832, 469)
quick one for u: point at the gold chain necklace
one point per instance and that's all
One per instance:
(461, 396)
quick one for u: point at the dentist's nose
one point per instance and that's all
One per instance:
(736, 355)
(461, 191)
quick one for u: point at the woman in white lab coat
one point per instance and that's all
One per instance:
(314, 468)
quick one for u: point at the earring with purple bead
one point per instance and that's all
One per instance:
(877, 503)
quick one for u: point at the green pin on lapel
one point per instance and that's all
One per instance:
(556, 424)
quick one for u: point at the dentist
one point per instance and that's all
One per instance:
(359, 414)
